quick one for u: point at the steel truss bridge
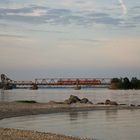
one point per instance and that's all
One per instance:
(56, 82)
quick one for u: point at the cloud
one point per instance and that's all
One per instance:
(33, 13)
(36, 14)
(48, 31)
(91, 40)
(12, 36)
(137, 18)
(40, 14)
(124, 8)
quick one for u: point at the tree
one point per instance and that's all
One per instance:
(116, 83)
(135, 83)
(126, 83)
(115, 80)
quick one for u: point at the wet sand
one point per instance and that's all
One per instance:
(15, 109)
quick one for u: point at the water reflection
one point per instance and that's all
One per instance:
(101, 125)
(3, 95)
(73, 116)
(111, 113)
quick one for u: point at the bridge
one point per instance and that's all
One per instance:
(76, 83)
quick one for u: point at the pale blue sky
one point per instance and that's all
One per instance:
(69, 38)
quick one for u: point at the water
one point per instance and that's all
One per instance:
(95, 95)
(102, 125)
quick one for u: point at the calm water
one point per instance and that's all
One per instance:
(102, 125)
(95, 95)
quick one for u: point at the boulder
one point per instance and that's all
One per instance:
(72, 99)
(89, 102)
(108, 102)
(113, 103)
(84, 100)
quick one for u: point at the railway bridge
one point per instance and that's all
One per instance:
(76, 83)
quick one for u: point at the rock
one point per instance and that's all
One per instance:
(132, 105)
(67, 101)
(89, 102)
(108, 102)
(113, 103)
(84, 100)
(72, 99)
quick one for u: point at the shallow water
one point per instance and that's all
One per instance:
(102, 125)
(95, 95)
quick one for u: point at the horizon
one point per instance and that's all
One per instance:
(77, 38)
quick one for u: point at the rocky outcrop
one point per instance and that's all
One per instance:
(74, 99)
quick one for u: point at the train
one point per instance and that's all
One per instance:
(79, 82)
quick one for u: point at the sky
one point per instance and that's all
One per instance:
(69, 38)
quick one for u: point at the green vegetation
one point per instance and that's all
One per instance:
(125, 83)
(26, 101)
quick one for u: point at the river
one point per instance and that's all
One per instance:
(95, 95)
(101, 125)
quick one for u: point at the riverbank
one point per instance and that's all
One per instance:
(15, 109)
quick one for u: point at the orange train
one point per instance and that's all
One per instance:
(79, 82)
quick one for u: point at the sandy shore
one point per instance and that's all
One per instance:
(15, 109)
(14, 134)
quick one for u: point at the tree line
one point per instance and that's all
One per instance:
(125, 83)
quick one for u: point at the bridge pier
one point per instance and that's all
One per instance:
(34, 86)
(6, 86)
(78, 87)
